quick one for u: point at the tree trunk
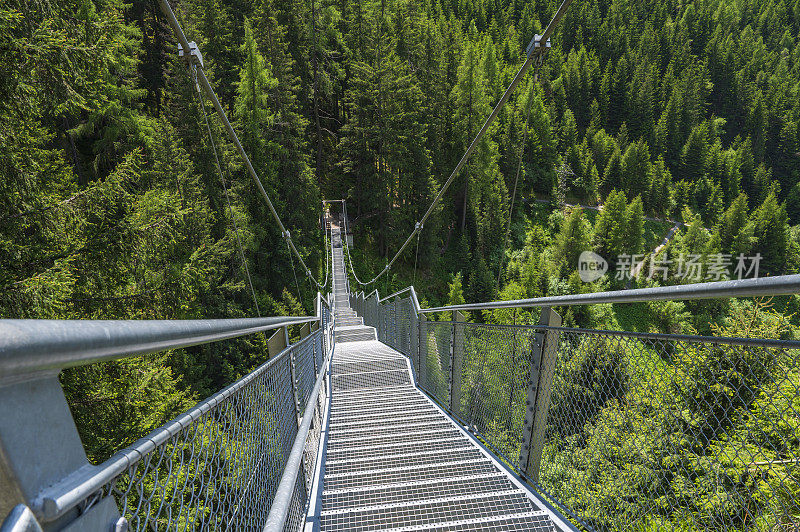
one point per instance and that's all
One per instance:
(316, 87)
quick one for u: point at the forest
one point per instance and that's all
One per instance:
(660, 134)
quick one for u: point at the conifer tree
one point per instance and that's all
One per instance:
(471, 109)
(573, 238)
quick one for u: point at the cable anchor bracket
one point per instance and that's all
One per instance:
(536, 46)
(194, 53)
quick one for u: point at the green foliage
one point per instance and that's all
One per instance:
(111, 205)
(573, 238)
(687, 441)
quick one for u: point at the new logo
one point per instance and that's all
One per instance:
(591, 266)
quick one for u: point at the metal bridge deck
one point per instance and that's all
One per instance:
(394, 460)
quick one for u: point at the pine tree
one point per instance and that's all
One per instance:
(569, 131)
(612, 176)
(635, 169)
(574, 237)
(659, 198)
(771, 233)
(733, 222)
(471, 109)
(611, 231)
(693, 154)
(540, 152)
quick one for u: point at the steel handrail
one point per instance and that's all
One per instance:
(28, 346)
(281, 504)
(390, 296)
(62, 497)
(764, 286)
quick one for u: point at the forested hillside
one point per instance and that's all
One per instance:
(112, 206)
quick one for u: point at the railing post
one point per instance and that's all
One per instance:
(277, 342)
(395, 343)
(413, 333)
(542, 368)
(383, 309)
(422, 352)
(40, 446)
(295, 384)
(456, 362)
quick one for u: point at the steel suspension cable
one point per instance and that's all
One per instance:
(350, 261)
(535, 48)
(416, 258)
(539, 63)
(327, 266)
(204, 83)
(296, 284)
(227, 196)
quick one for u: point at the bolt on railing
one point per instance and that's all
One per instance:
(220, 465)
(622, 430)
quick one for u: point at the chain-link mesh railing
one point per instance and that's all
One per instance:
(395, 320)
(494, 376)
(217, 467)
(674, 432)
(643, 431)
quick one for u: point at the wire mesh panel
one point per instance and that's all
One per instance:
(221, 469)
(659, 432)
(305, 372)
(494, 383)
(319, 351)
(437, 360)
(297, 507)
(644, 431)
(405, 320)
(217, 467)
(390, 328)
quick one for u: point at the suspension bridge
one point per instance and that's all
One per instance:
(377, 414)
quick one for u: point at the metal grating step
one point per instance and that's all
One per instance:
(361, 440)
(364, 451)
(401, 390)
(376, 477)
(415, 491)
(431, 458)
(357, 405)
(526, 522)
(382, 415)
(428, 513)
(349, 321)
(370, 380)
(362, 401)
(388, 430)
(361, 367)
(366, 352)
(355, 336)
(350, 358)
(355, 402)
(358, 422)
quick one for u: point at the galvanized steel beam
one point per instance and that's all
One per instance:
(764, 286)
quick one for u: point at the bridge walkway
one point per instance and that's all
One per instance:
(393, 459)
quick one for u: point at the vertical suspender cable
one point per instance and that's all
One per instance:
(539, 62)
(296, 284)
(227, 197)
(204, 83)
(535, 49)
